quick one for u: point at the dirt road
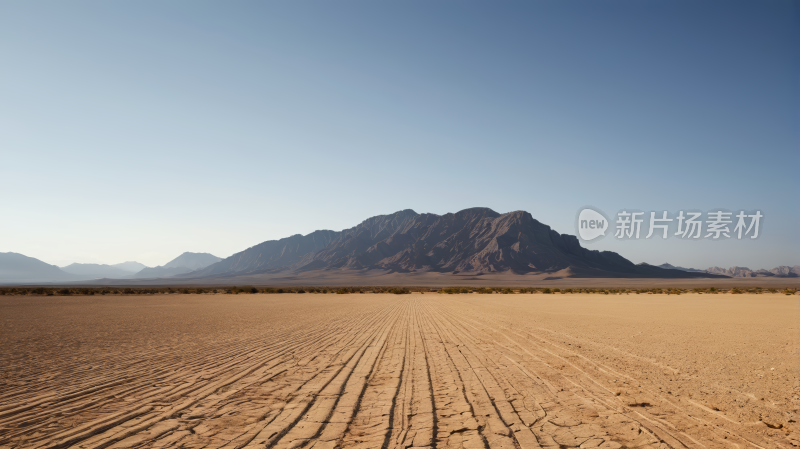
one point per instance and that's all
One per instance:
(399, 371)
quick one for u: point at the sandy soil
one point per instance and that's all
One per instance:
(389, 371)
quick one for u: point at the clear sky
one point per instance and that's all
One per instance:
(140, 130)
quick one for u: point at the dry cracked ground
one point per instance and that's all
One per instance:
(400, 371)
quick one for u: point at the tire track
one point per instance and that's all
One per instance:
(355, 371)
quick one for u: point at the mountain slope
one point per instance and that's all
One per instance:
(288, 252)
(15, 267)
(477, 240)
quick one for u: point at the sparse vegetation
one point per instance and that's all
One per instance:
(249, 289)
(454, 290)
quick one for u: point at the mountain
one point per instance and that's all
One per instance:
(782, 272)
(195, 261)
(732, 271)
(786, 272)
(96, 271)
(132, 267)
(477, 240)
(185, 263)
(673, 267)
(17, 268)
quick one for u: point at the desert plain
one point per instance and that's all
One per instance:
(400, 371)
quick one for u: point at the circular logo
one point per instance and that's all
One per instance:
(591, 224)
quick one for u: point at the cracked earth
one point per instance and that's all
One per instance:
(400, 371)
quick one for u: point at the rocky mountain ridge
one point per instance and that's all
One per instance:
(476, 240)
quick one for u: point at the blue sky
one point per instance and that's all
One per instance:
(140, 130)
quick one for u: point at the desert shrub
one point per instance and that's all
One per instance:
(547, 291)
(453, 290)
(400, 291)
(64, 291)
(772, 290)
(300, 290)
(483, 291)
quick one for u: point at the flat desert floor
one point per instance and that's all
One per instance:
(392, 371)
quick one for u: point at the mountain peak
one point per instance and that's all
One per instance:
(484, 211)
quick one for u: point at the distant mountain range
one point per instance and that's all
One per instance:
(97, 271)
(781, 272)
(673, 267)
(185, 263)
(472, 242)
(477, 240)
(17, 268)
